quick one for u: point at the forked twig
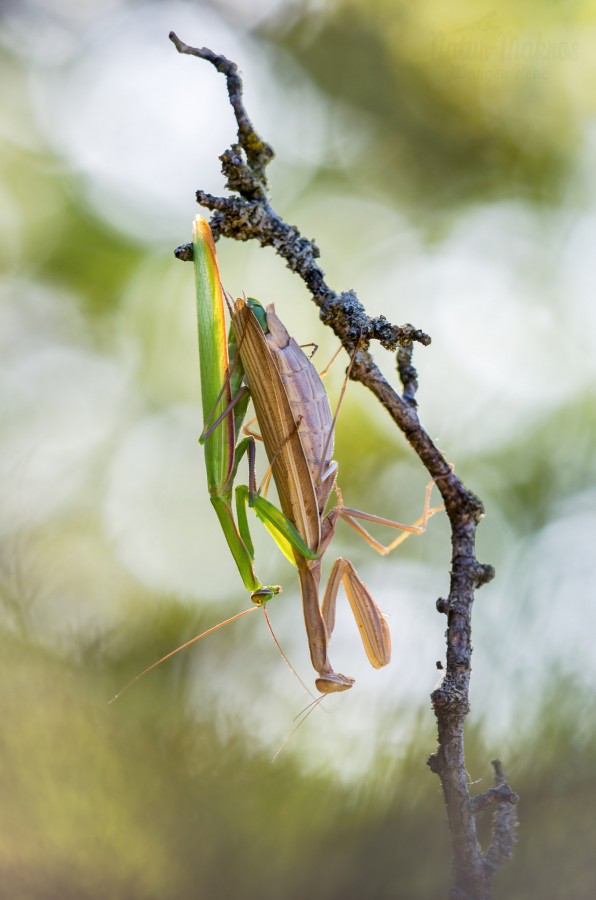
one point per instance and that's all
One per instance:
(248, 215)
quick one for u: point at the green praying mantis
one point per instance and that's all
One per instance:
(260, 361)
(224, 408)
(296, 424)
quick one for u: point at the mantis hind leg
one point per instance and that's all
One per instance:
(351, 517)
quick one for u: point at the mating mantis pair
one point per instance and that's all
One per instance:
(296, 424)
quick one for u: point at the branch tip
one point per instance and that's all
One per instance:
(442, 605)
(184, 252)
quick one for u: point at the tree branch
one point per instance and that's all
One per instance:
(250, 216)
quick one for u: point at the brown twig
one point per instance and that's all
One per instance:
(250, 216)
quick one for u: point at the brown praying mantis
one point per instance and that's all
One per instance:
(260, 361)
(293, 413)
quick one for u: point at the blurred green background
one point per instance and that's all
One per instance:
(442, 157)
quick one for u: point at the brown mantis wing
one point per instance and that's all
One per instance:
(309, 403)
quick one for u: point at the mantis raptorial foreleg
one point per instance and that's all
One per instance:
(371, 623)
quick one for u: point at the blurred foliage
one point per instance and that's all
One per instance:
(109, 555)
(461, 101)
(138, 800)
(536, 482)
